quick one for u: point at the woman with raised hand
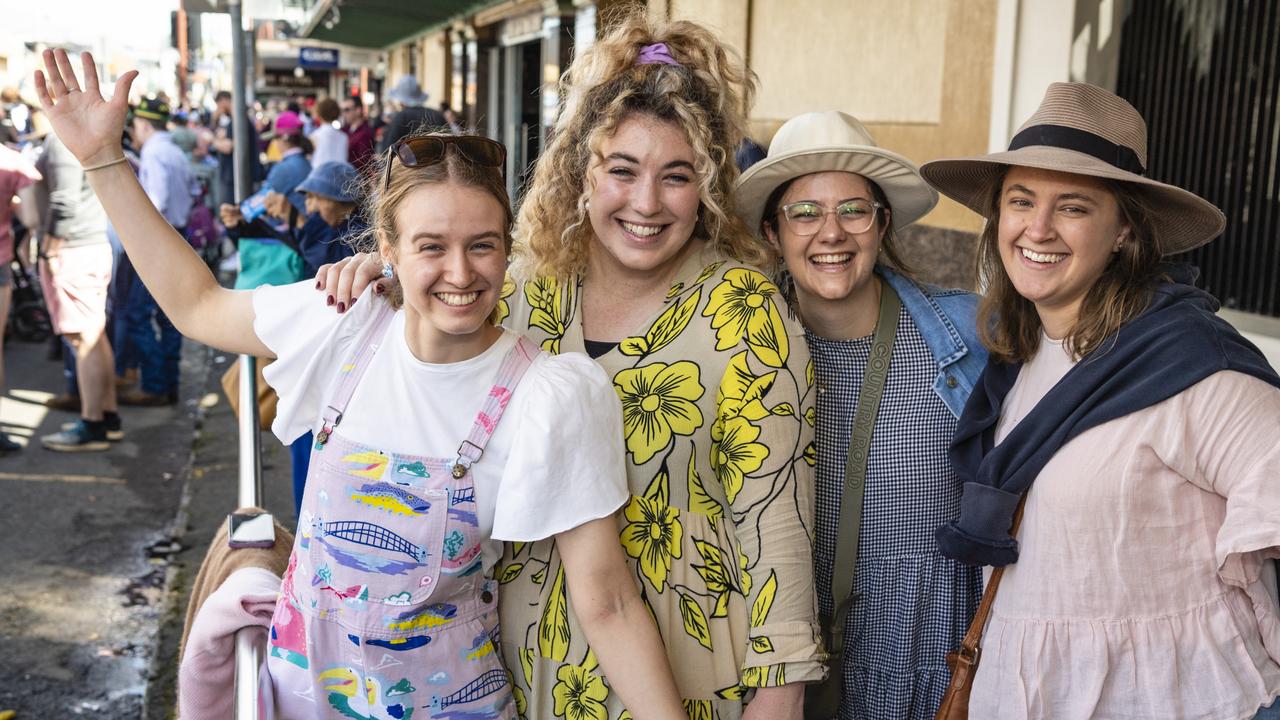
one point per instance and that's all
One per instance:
(1139, 429)
(632, 252)
(437, 436)
(894, 360)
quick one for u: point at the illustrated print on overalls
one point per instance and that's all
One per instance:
(386, 612)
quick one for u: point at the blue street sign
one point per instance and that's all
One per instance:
(317, 57)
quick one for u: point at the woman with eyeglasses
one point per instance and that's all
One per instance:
(632, 252)
(894, 361)
(438, 435)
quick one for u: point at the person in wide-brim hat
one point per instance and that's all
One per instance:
(833, 141)
(1084, 130)
(829, 201)
(1122, 449)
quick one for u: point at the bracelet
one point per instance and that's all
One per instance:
(108, 163)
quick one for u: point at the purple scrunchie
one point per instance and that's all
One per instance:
(656, 54)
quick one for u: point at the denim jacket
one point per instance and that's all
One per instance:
(947, 320)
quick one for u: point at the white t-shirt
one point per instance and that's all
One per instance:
(1036, 378)
(555, 461)
(330, 145)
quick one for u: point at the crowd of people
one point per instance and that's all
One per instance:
(706, 446)
(118, 347)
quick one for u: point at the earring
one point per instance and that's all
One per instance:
(388, 272)
(586, 205)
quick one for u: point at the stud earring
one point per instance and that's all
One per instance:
(388, 272)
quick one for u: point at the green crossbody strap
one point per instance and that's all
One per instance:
(855, 471)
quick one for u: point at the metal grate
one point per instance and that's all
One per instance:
(1206, 76)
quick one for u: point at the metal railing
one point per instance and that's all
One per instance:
(250, 642)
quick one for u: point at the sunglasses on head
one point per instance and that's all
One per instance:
(431, 149)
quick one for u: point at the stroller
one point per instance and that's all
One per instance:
(28, 316)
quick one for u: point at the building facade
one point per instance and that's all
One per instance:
(934, 79)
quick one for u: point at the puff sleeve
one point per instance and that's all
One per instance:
(566, 466)
(1229, 440)
(307, 338)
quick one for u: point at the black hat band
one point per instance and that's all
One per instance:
(1082, 141)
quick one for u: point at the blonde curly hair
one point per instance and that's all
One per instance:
(706, 96)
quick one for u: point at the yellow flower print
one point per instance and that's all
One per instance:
(740, 394)
(737, 454)
(653, 533)
(658, 400)
(741, 307)
(504, 309)
(707, 272)
(698, 709)
(550, 309)
(579, 694)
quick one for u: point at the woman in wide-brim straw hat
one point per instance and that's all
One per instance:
(1142, 430)
(829, 201)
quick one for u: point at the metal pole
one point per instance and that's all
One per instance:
(250, 493)
(249, 641)
(250, 652)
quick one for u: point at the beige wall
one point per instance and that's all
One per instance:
(727, 17)
(397, 64)
(880, 60)
(433, 70)
(920, 75)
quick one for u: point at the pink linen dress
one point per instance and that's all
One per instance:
(1144, 587)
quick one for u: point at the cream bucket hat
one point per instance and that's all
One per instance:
(833, 142)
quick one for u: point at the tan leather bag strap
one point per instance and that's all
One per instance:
(969, 645)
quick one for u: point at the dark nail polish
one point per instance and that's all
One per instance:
(378, 290)
(342, 307)
(328, 300)
(353, 302)
(318, 285)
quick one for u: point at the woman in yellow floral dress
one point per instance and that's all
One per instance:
(647, 269)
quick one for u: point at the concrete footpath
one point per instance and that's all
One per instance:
(98, 550)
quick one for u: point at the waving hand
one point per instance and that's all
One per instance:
(87, 124)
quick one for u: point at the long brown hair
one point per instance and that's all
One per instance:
(1008, 324)
(706, 96)
(383, 203)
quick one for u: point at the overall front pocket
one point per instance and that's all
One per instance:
(376, 548)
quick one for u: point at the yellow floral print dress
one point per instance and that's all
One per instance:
(717, 411)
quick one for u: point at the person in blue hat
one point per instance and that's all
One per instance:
(325, 233)
(332, 214)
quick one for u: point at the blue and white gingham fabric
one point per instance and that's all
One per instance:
(915, 605)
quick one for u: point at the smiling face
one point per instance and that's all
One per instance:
(451, 261)
(1057, 233)
(832, 266)
(644, 206)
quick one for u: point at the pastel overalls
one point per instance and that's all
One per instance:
(385, 610)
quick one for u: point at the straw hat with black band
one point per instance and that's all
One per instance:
(1083, 129)
(832, 141)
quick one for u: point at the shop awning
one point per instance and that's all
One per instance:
(382, 23)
